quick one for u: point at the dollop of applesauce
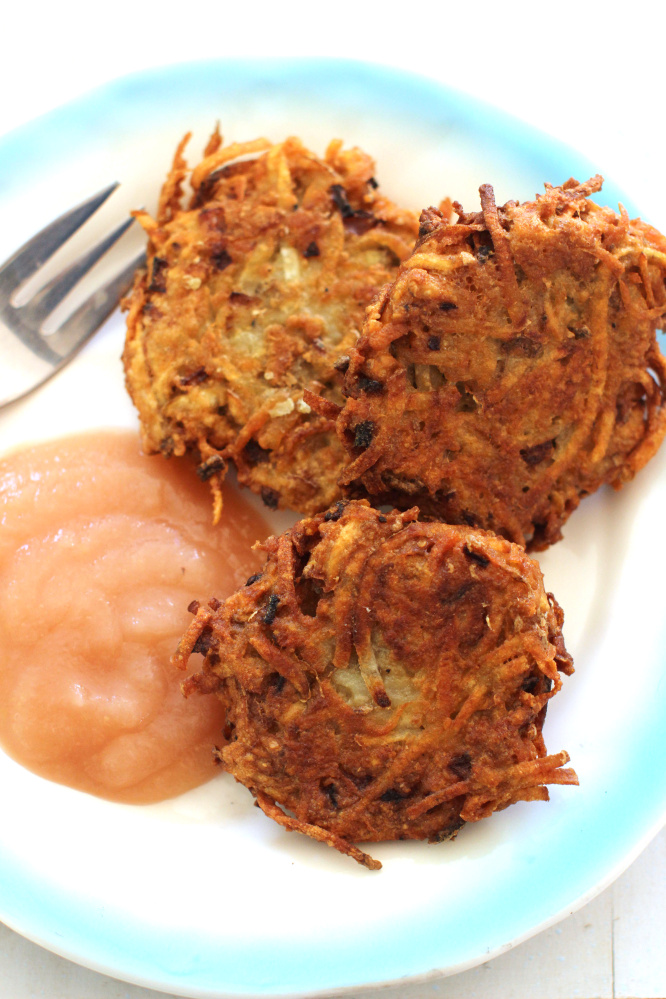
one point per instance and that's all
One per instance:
(102, 549)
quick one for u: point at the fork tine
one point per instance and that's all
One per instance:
(33, 254)
(75, 330)
(44, 302)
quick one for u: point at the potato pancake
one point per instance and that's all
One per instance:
(512, 367)
(384, 678)
(251, 295)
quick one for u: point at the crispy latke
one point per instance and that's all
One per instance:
(384, 678)
(512, 366)
(251, 295)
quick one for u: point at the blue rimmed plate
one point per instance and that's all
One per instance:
(203, 896)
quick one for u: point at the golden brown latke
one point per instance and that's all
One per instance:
(384, 678)
(250, 296)
(512, 366)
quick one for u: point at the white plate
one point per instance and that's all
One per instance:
(203, 895)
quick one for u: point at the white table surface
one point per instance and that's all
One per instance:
(589, 75)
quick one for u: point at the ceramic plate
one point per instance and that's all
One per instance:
(202, 895)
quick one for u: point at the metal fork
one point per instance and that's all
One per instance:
(27, 356)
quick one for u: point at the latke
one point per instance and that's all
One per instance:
(251, 294)
(384, 678)
(512, 366)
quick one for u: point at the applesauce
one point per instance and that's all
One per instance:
(102, 549)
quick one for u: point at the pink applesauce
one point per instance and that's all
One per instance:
(101, 551)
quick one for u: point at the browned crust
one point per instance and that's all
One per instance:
(512, 367)
(385, 678)
(251, 293)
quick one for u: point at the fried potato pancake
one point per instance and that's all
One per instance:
(384, 678)
(512, 366)
(251, 294)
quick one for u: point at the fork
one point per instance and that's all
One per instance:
(28, 357)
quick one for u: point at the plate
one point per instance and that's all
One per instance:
(202, 895)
